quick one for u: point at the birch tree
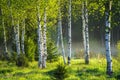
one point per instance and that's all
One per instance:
(108, 6)
(40, 41)
(44, 39)
(69, 33)
(85, 30)
(22, 37)
(60, 33)
(5, 41)
(12, 22)
(17, 38)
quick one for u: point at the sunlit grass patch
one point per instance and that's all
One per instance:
(78, 70)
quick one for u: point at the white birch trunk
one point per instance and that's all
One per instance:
(17, 38)
(44, 40)
(5, 43)
(40, 43)
(107, 37)
(69, 33)
(85, 30)
(83, 26)
(61, 34)
(22, 37)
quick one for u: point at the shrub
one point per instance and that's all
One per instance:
(60, 72)
(30, 48)
(13, 57)
(52, 52)
(22, 61)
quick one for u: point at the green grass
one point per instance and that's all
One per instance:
(96, 70)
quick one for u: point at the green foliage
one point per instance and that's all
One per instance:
(118, 48)
(61, 72)
(30, 48)
(22, 61)
(13, 57)
(118, 45)
(52, 52)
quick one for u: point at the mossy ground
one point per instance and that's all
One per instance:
(96, 70)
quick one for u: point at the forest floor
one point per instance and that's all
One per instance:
(96, 70)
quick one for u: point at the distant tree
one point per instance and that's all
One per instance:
(85, 30)
(60, 33)
(69, 33)
(4, 35)
(23, 37)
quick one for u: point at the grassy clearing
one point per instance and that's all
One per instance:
(96, 70)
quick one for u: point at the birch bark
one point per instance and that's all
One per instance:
(69, 33)
(108, 36)
(17, 38)
(40, 43)
(22, 37)
(85, 30)
(44, 40)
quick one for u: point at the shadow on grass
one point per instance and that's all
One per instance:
(117, 76)
(84, 73)
(28, 73)
(4, 71)
(51, 74)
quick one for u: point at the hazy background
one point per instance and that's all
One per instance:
(96, 37)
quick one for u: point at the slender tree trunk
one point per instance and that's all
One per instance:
(61, 33)
(5, 42)
(69, 34)
(17, 38)
(13, 29)
(83, 24)
(58, 28)
(45, 40)
(107, 36)
(85, 30)
(22, 37)
(40, 41)
(58, 36)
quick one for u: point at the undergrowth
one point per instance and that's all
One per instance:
(96, 70)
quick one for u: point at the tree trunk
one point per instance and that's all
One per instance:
(44, 40)
(85, 30)
(5, 43)
(61, 33)
(58, 36)
(17, 38)
(40, 41)
(58, 31)
(13, 29)
(69, 34)
(22, 37)
(107, 36)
